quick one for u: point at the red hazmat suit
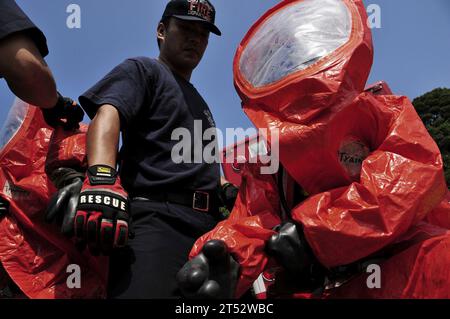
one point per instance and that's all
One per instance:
(35, 254)
(372, 172)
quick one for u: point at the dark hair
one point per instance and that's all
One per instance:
(166, 22)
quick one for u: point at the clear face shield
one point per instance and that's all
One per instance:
(14, 121)
(293, 38)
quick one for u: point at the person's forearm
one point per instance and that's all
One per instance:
(103, 137)
(26, 72)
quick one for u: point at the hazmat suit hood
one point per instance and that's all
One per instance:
(296, 68)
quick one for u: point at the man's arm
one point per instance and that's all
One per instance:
(102, 217)
(97, 209)
(103, 137)
(26, 72)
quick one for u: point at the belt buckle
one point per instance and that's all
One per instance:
(196, 199)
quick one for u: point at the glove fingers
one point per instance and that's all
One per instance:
(80, 222)
(210, 290)
(121, 234)
(67, 227)
(78, 114)
(92, 232)
(215, 251)
(190, 278)
(107, 235)
(74, 115)
(52, 210)
(70, 126)
(289, 249)
(51, 120)
(196, 278)
(57, 203)
(122, 230)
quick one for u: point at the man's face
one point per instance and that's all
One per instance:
(183, 43)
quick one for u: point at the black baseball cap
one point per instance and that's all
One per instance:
(193, 10)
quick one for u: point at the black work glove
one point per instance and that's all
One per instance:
(102, 217)
(290, 249)
(63, 205)
(212, 274)
(66, 113)
(228, 194)
(4, 207)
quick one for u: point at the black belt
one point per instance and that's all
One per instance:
(206, 202)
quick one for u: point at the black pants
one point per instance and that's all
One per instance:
(164, 236)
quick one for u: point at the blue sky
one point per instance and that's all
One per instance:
(412, 47)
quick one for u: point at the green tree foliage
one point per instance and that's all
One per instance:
(434, 109)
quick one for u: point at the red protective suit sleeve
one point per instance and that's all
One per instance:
(245, 232)
(440, 216)
(401, 182)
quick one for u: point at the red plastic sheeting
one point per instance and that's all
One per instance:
(440, 216)
(34, 253)
(373, 173)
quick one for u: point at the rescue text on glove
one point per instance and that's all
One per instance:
(102, 213)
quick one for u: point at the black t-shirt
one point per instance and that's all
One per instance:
(13, 20)
(152, 102)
